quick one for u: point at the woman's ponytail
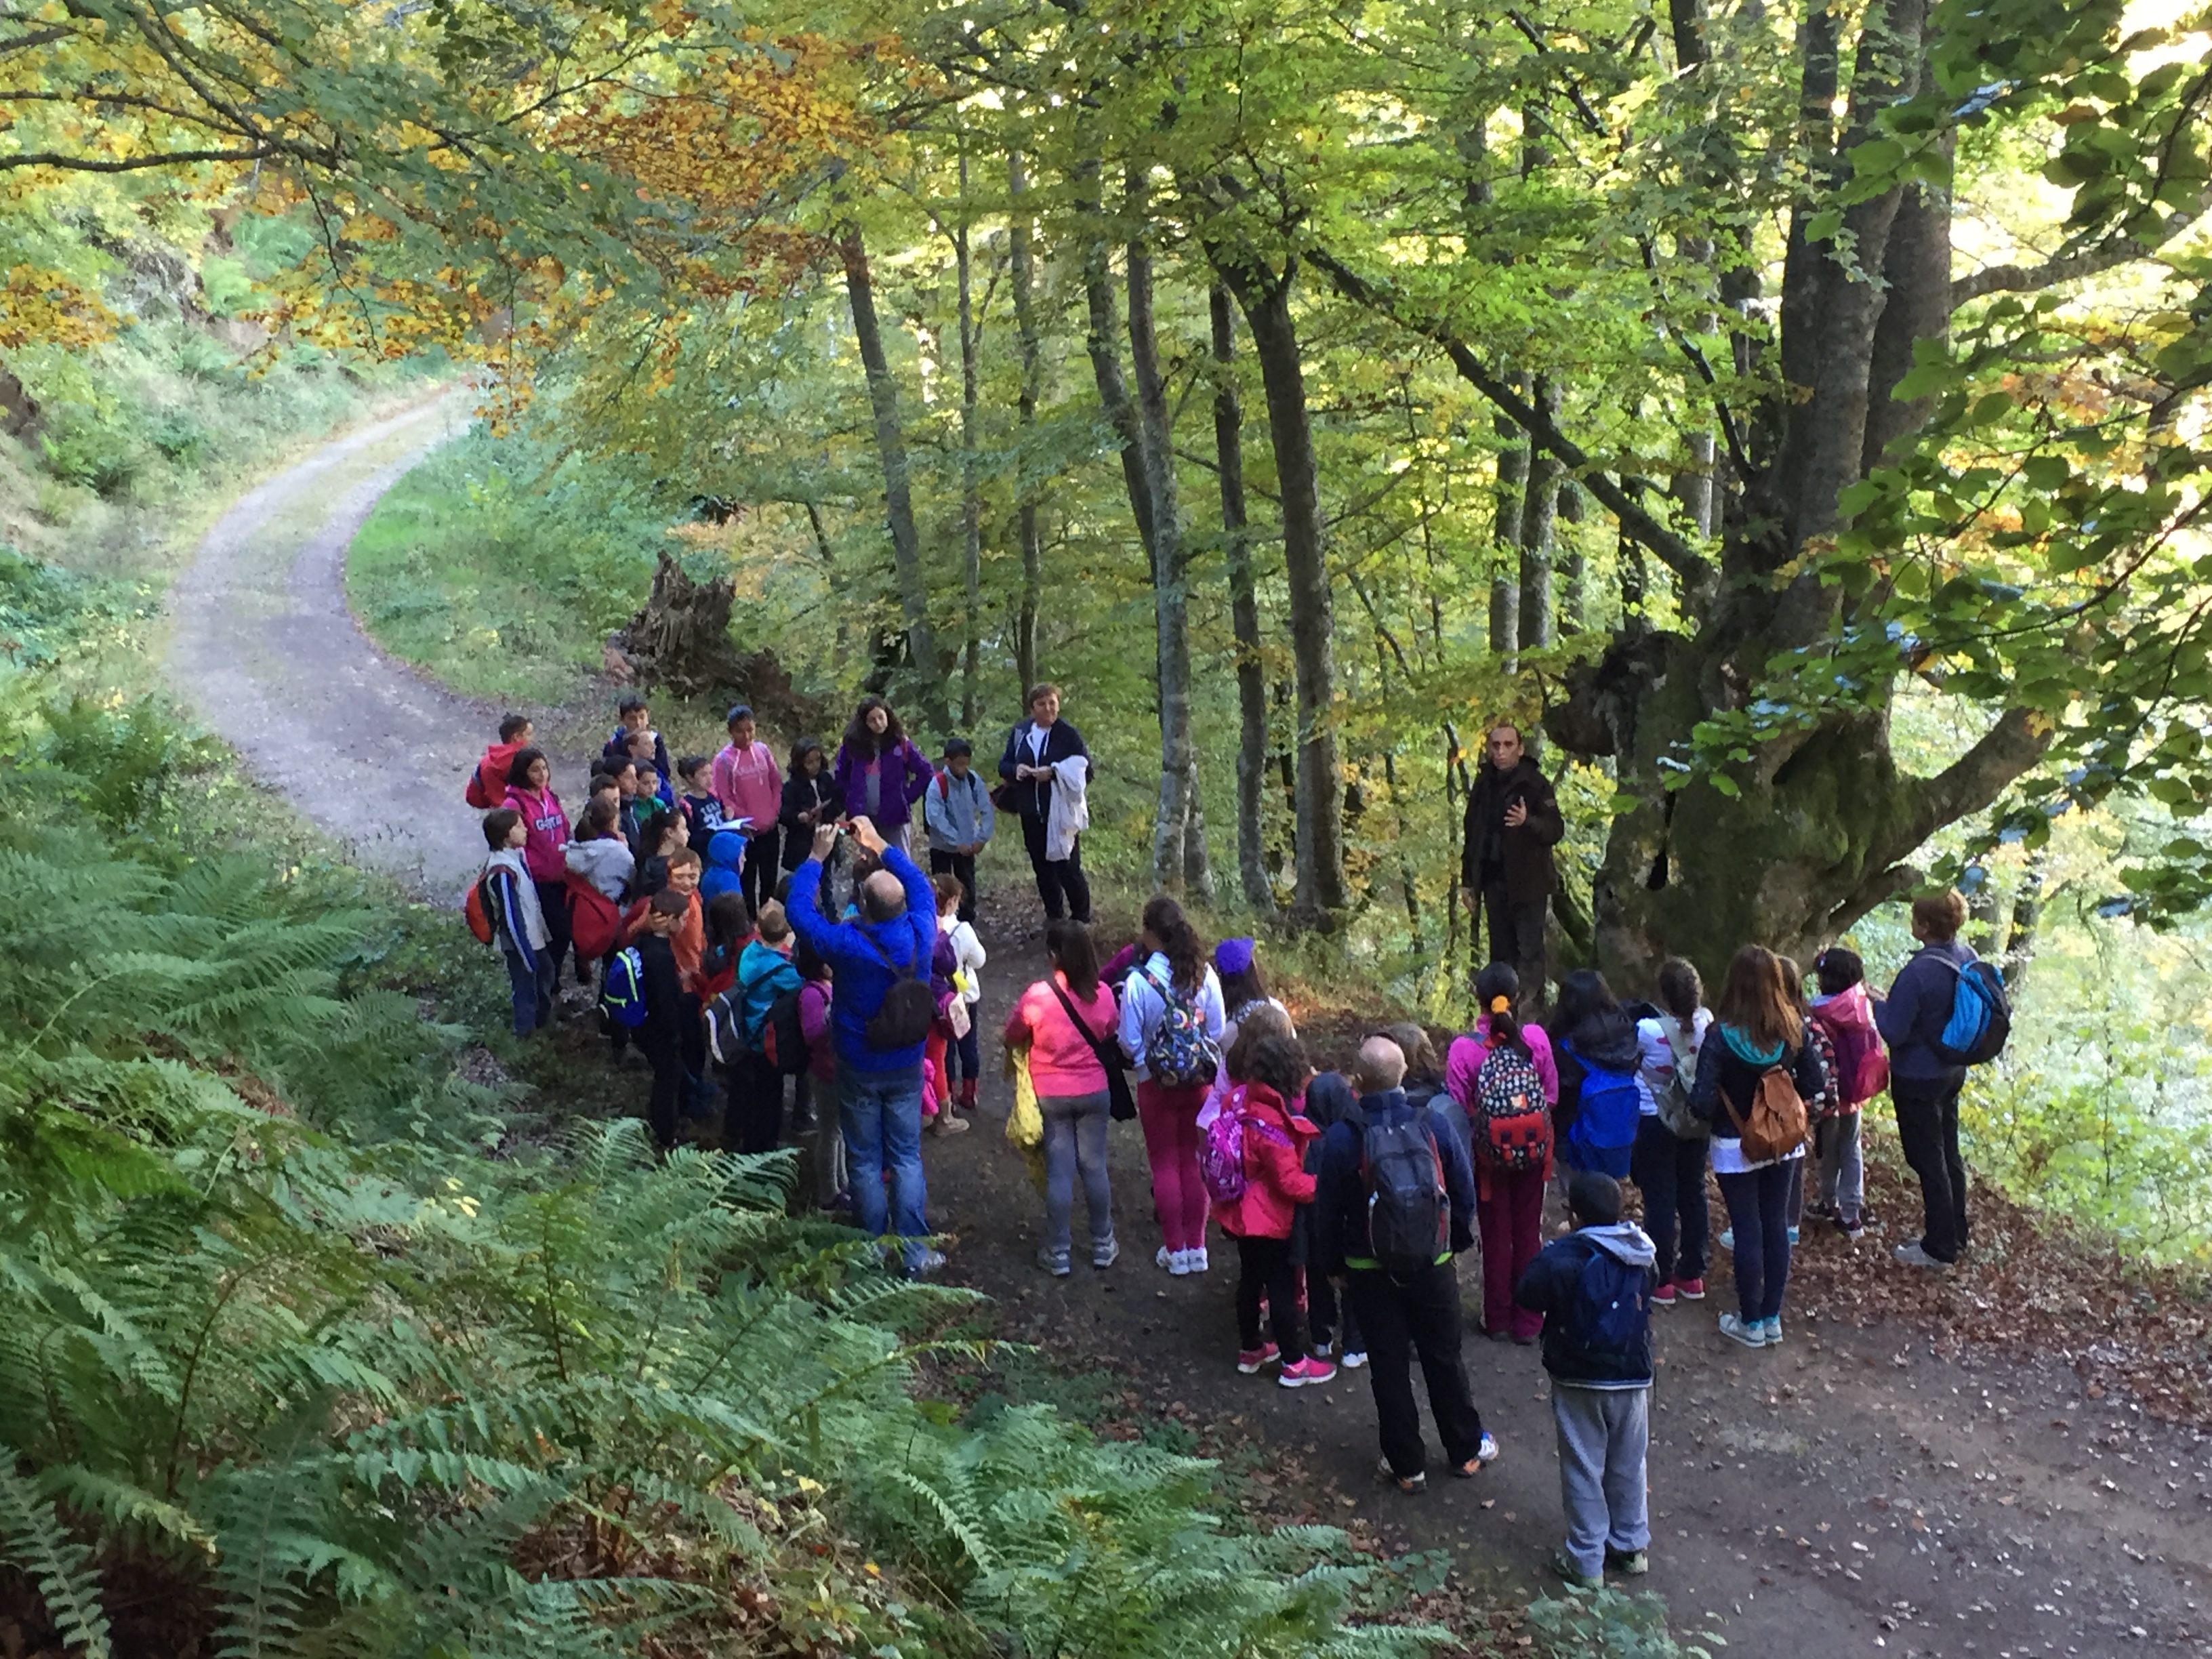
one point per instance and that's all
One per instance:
(1497, 988)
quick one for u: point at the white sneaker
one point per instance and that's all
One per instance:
(1163, 1257)
(1913, 1255)
(1179, 1262)
(1198, 1262)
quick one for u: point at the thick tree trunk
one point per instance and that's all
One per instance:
(971, 498)
(1243, 613)
(1032, 355)
(1539, 519)
(1172, 856)
(1505, 535)
(898, 501)
(1320, 895)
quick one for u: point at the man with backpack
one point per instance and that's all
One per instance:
(879, 1025)
(1594, 1289)
(1926, 1071)
(1393, 1202)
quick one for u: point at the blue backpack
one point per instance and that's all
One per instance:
(1606, 1121)
(623, 1001)
(1611, 1304)
(1981, 1016)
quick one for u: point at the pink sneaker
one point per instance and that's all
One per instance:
(1690, 1289)
(1306, 1371)
(1664, 1296)
(1256, 1359)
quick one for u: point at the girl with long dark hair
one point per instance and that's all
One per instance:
(1509, 1202)
(880, 775)
(1171, 1024)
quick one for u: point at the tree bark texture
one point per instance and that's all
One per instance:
(898, 501)
(971, 500)
(1243, 613)
(1505, 575)
(1027, 341)
(1539, 510)
(1265, 298)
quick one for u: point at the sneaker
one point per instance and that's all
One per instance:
(1103, 1256)
(1164, 1257)
(1751, 1333)
(1868, 1219)
(1254, 1360)
(1727, 1238)
(1690, 1289)
(1179, 1262)
(1793, 1235)
(1324, 1350)
(1574, 1577)
(1052, 1263)
(1772, 1330)
(948, 1124)
(1632, 1564)
(1304, 1371)
(1664, 1296)
(1484, 1453)
(924, 1264)
(1913, 1255)
(1354, 1358)
(1418, 1481)
(1854, 1230)
(1198, 1261)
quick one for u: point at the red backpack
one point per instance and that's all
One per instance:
(593, 922)
(475, 793)
(475, 905)
(1861, 1069)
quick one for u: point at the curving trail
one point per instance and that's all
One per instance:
(264, 646)
(1857, 1492)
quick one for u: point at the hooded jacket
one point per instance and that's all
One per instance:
(542, 815)
(905, 773)
(605, 863)
(491, 779)
(957, 811)
(1275, 1179)
(1605, 1038)
(1574, 1351)
(725, 861)
(1733, 1067)
(748, 784)
(1525, 849)
(1919, 1007)
(764, 974)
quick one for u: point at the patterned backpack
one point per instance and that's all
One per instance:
(1180, 1054)
(1221, 1158)
(1514, 1129)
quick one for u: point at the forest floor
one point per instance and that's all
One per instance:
(2011, 1461)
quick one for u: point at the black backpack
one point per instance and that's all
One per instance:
(782, 1037)
(909, 1006)
(1408, 1211)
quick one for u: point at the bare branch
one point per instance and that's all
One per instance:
(2073, 267)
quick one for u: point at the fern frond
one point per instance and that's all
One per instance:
(56, 1562)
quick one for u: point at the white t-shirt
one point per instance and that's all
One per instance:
(968, 955)
(1656, 1069)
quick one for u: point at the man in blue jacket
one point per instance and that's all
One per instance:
(878, 1089)
(1924, 1086)
(1402, 1313)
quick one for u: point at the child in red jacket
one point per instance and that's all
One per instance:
(1266, 1076)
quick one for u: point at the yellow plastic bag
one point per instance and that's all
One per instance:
(1025, 1123)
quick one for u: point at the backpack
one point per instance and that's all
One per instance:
(1514, 1127)
(1777, 1125)
(726, 1027)
(477, 906)
(783, 1038)
(1606, 1119)
(593, 922)
(1673, 1100)
(623, 1001)
(1408, 1210)
(1180, 1054)
(1981, 1016)
(1221, 1155)
(909, 1006)
(1612, 1304)
(474, 793)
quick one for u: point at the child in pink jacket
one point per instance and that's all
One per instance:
(1267, 1077)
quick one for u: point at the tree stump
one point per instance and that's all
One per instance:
(681, 640)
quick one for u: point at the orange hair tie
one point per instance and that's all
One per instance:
(1500, 1004)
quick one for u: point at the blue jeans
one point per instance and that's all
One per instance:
(533, 992)
(1758, 1209)
(881, 1113)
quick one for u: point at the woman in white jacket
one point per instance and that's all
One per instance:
(1171, 1021)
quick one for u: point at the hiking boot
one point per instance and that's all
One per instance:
(1254, 1360)
(1300, 1373)
(1664, 1296)
(1632, 1564)
(1913, 1255)
(1573, 1576)
(1750, 1332)
(1103, 1256)
(1690, 1289)
(1416, 1482)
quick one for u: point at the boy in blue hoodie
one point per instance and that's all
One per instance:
(765, 972)
(1594, 1288)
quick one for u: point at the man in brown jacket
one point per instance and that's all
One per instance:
(1505, 867)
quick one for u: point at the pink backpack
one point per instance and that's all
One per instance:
(1221, 1158)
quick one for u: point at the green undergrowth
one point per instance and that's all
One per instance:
(302, 1353)
(494, 566)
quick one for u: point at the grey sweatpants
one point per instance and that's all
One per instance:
(1604, 1434)
(1843, 1164)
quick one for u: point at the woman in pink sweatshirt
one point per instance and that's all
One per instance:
(529, 793)
(1062, 1022)
(748, 784)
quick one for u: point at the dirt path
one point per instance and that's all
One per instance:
(1851, 1492)
(1854, 1492)
(265, 648)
